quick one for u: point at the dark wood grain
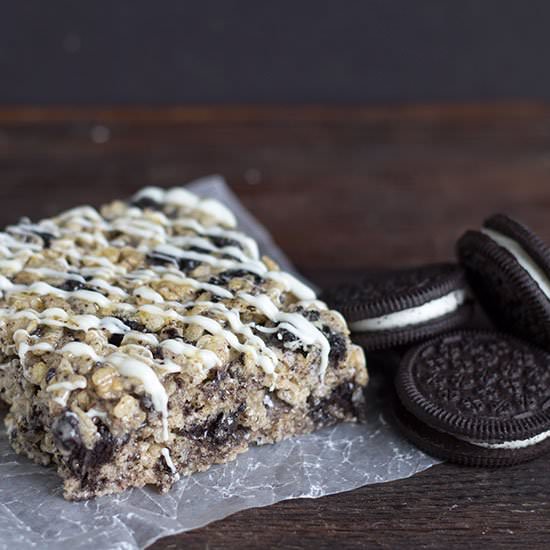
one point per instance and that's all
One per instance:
(340, 189)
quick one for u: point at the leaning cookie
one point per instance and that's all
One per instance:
(478, 398)
(394, 308)
(508, 268)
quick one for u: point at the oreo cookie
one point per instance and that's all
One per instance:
(394, 308)
(478, 398)
(508, 268)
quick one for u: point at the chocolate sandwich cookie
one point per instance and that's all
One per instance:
(393, 308)
(478, 398)
(508, 268)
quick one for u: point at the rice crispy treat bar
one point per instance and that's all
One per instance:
(149, 340)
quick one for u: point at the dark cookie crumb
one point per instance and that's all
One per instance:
(158, 353)
(147, 203)
(225, 276)
(70, 285)
(84, 462)
(50, 374)
(335, 407)
(171, 333)
(312, 315)
(338, 347)
(66, 432)
(34, 426)
(187, 264)
(146, 403)
(198, 250)
(38, 331)
(218, 431)
(222, 242)
(116, 339)
(156, 258)
(133, 325)
(283, 338)
(47, 238)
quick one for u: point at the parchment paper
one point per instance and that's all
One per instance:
(34, 514)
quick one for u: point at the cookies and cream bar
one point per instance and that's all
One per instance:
(149, 340)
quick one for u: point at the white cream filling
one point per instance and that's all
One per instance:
(515, 444)
(522, 257)
(414, 315)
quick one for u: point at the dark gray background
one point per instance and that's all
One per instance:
(285, 51)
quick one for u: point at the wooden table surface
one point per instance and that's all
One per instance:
(340, 189)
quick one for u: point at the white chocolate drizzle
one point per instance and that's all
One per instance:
(66, 388)
(208, 358)
(78, 349)
(305, 330)
(183, 198)
(169, 462)
(132, 368)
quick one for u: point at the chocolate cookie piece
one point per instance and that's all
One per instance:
(508, 268)
(479, 398)
(393, 308)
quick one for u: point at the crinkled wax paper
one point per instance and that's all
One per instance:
(33, 512)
